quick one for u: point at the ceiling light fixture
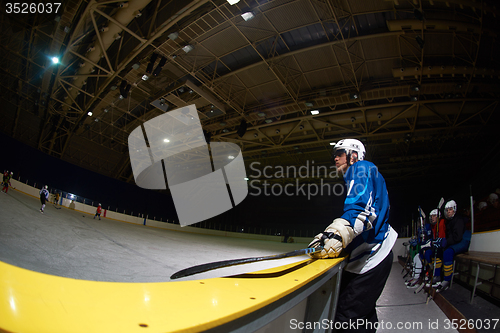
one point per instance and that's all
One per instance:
(173, 35)
(232, 2)
(188, 48)
(248, 16)
(314, 112)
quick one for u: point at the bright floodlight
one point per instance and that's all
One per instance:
(89, 113)
(247, 16)
(232, 2)
(314, 112)
(55, 60)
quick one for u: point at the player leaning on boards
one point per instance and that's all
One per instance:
(363, 232)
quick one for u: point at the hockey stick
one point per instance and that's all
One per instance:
(408, 251)
(441, 202)
(233, 262)
(419, 235)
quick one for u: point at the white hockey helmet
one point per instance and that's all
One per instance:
(434, 212)
(46, 187)
(453, 205)
(350, 146)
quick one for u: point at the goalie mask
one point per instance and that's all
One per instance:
(354, 150)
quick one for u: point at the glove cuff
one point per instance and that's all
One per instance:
(343, 227)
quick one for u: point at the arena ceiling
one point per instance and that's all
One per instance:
(416, 81)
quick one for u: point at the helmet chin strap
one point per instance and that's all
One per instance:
(348, 157)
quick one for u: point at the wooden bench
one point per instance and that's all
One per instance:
(480, 258)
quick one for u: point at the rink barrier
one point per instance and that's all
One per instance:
(117, 216)
(271, 300)
(481, 241)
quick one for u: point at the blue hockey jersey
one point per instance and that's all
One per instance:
(366, 207)
(45, 193)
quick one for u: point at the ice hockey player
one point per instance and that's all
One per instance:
(5, 176)
(438, 233)
(98, 212)
(6, 181)
(44, 197)
(428, 251)
(363, 232)
(414, 253)
(457, 241)
(423, 238)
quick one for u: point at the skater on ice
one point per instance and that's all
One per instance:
(44, 197)
(98, 212)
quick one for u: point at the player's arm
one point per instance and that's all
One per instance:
(456, 235)
(357, 217)
(358, 205)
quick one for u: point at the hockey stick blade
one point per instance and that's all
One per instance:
(441, 202)
(421, 212)
(419, 289)
(233, 262)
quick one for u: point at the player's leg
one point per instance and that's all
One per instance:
(358, 297)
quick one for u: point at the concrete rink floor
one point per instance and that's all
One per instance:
(67, 243)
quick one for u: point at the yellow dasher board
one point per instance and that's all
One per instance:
(37, 302)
